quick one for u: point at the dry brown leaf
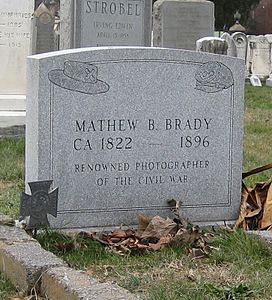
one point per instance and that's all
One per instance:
(143, 222)
(267, 210)
(256, 204)
(119, 233)
(157, 228)
(162, 241)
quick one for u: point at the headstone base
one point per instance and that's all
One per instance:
(12, 102)
(12, 118)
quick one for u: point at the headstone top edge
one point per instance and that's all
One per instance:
(128, 48)
(184, 1)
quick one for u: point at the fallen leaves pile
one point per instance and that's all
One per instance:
(256, 204)
(152, 234)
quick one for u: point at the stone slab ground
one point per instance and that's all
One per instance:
(28, 266)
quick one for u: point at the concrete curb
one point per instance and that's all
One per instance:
(28, 266)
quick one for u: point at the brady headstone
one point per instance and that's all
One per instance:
(180, 23)
(107, 23)
(118, 143)
(15, 27)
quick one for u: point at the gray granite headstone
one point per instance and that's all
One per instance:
(112, 23)
(122, 130)
(180, 23)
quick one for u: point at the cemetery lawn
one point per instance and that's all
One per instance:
(257, 131)
(11, 175)
(240, 268)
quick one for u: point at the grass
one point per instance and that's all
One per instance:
(257, 131)
(6, 288)
(11, 175)
(240, 269)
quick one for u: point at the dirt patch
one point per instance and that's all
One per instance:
(4, 185)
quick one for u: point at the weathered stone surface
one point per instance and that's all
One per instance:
(180, 23)
(260, 56)
(66, 24)
(232, 51)
(241, 43)
(23, 263)
(122, 130)
(212, 45)
(43, 35)
(255, 80)
(11, 234)
(68, 284)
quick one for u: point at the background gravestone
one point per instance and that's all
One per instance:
(66, 24)
(232, 50)
(43, 38)
(117, 142)
(14, 47)
(241, 43)
(212, 45)
(114, 23)
(261, 57)
(180, 23)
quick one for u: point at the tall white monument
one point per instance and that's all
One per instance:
(15, 25)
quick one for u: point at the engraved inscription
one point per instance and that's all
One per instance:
(105, 23)
(192, 133)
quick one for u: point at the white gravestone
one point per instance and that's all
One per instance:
(214, 45)
(122, 130)
(15, 27)
(241, 43)
(255, 80)
(232, 51)
(269, 79)
(180, 23)
(261, 57)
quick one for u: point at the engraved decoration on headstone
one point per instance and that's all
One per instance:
(41, 203)
(79, 77)
(213, 77)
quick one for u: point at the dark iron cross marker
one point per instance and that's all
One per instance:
(39, 204)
